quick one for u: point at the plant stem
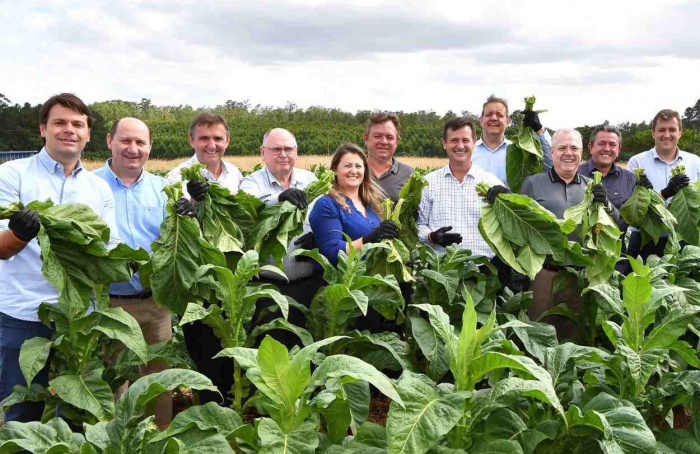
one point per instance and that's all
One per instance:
(238, 387)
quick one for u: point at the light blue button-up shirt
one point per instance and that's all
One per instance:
(23, 287)
(494, 161)
(263, 185)
(140, 210)
(659, 171)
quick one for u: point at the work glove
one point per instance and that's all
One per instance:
(184, 207)
(25, 224)
(197, 189)
(675, 184)
(385, 231)
(306, 241)
(295, 196)
(644, 182)
(493, 192)
(600, 195)
(532, 120)
(442, 237)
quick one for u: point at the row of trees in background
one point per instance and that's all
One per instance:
(319, 130)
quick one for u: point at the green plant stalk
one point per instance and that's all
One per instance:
(87, 352)
(237, 387)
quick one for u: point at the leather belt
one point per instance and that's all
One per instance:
(135, 296)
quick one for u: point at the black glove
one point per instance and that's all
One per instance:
(306, 241)
(25, 224)
(134, 265)
(295, 196)
(532, 120)
(197, 189)
(493, 192)
(385, 231)
(644, 182)
(600, 195)
(184, 207)
(443, 238)
(675, 184)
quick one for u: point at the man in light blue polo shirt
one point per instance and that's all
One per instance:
(666, 129)
(277, 182)
(490, 151)
(140, 207)
(54, 173)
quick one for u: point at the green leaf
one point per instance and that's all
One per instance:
(670, 328)
(51, 438)
(630, 433)
(302, 440)
(203, 417)
(337, 366)
(432, 347)
(425, 417)
(88, 392)
(33, 356)
(524, 155)
(685, 207)
(131, 405)
(119, 325)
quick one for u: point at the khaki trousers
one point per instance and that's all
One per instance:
(543, 300)
(157, 327)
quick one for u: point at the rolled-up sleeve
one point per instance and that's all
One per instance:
(328, 229)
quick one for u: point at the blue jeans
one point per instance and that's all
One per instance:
(13, 333)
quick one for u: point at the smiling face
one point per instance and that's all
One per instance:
(666, 134)
(382, 140)
(350, 172)
(130, 146)
(279, 152)
(494, 119)
(66, 132)
(604, 149)
(459, 145)
(210, 143)
(566, 154)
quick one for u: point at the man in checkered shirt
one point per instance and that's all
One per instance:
(450, 209)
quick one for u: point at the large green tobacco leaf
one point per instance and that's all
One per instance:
(630, 433)
(432, 347)
(177, 255)
(88, 392)
(117, 324)
(685, 207)
(279, 223)
(214, 213)
(302, 440)
(206, 417)
(522, 233)
(524, 155)
(75, 258)
(131, 406)
(348, 366)
(425, 417)
(646, 210)
(33, 356)
(599, 235)
(54, 437)
(411, 193)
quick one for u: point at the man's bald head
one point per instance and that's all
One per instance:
(131, 121)
(279, 152)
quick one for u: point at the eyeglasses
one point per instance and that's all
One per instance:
(563, 148)
(277, 151)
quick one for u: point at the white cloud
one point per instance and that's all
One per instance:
(586, 61)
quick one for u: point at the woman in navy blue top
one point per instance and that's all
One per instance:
(350, 207)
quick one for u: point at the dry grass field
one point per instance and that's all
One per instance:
(248, 162)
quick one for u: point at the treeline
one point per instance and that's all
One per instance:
(319, 130)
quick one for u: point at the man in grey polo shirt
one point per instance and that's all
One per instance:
(277, 182)
(666, 129)
(382, 135)
(561, 188)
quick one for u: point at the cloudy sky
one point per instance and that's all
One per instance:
(586, 61)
